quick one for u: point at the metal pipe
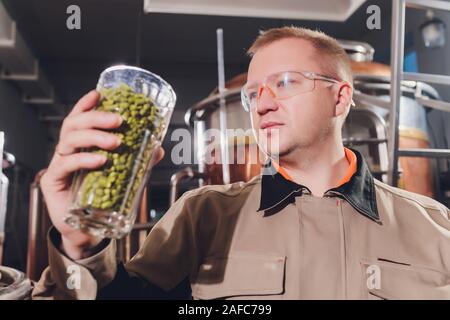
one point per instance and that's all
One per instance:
(353, 141)
(426, 77)
(2, 226)
(4, 183)
(368, 99)
(429, 4)
(192, 114)
(199, 131)
(427, 153)
(435, 104)
(223, 111)
(177, 178)
(397, 51)
(38, 225)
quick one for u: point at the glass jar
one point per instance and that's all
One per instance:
(105, 201)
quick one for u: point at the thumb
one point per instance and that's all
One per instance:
(159, 155)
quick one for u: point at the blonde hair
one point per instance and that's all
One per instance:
(336, 63)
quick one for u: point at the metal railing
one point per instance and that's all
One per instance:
(397, 75)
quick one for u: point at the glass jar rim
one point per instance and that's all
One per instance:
(138, 69)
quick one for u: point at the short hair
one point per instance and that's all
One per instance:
(337, 62)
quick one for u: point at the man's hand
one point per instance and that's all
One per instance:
(80, 129)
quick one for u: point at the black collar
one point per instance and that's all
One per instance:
(277, 192)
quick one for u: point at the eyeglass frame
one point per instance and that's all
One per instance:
(307, 74)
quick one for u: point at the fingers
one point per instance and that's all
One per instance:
(89, 120)
(62, 167)
(160, 154)
(87, 138)
(87, 102)
(78, 131)
(157, 157)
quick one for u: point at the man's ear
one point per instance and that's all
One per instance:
(344, 99)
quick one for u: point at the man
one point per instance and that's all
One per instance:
(320, 227)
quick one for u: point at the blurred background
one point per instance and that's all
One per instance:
(47, 67)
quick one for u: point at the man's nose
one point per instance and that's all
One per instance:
(266, 100)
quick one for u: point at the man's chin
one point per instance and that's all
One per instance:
(275, 143)
(276, 151)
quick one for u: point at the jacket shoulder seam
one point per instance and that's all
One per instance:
(208, 189)
(389, 189)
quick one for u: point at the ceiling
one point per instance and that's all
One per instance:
(173, 45)
(336, 10)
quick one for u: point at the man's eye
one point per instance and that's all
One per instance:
(252, 96)
(284, 83)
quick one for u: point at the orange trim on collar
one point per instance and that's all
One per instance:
(351, 158)
(281, 171)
